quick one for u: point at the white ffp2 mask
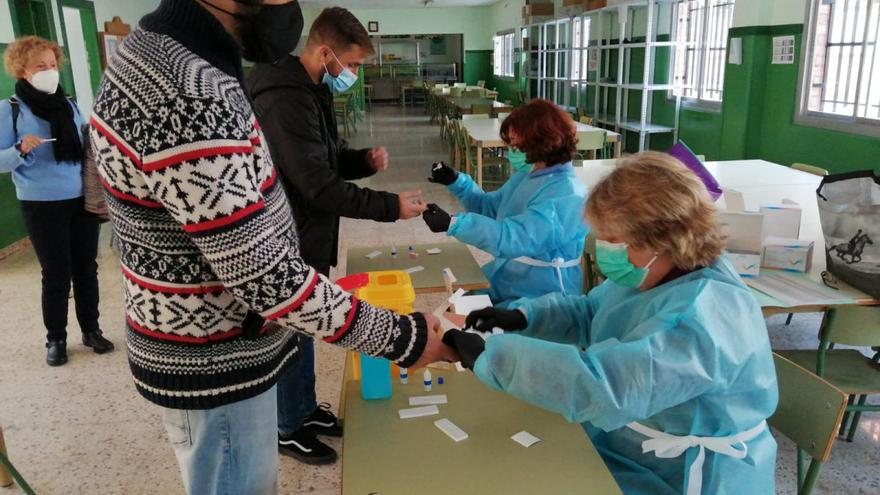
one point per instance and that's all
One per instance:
(46, 81)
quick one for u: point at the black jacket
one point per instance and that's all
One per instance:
(299, 123)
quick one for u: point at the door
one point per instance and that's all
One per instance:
(82, 48)
(34, 17)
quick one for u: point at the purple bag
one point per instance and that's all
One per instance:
(690, 160)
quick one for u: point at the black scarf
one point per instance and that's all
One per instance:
(58, 111)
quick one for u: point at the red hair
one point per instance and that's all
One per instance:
(545, 133)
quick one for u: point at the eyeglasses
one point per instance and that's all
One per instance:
(830, 280)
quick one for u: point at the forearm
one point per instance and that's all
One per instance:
(523, 235)
(471, 195)
(557, 318)
(353, 164)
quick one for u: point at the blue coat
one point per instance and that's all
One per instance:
(37, 177)
(688, 357)
(538, 215)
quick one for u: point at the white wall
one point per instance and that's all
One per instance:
(129, 10)
(769, 13)
(6, 33)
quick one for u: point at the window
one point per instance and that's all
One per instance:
(701, 26)
(841, 69)
(504, 54)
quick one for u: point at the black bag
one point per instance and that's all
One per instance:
(849, 209)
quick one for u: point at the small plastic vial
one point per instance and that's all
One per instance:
(404, 376)
(394, 252)
(439, 380)
(427, 381)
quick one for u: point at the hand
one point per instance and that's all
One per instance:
(484, 320)
(377, 158)
(442, 173)
(411, 204)
(469, 346)
(435, 349)
(437, 219)
(28, 143)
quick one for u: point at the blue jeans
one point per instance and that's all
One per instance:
(296, 389)
(228, 450)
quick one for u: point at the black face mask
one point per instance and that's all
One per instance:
(270, 33)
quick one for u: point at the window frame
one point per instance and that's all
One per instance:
(702, 48)
(508, 58)
(851, 124)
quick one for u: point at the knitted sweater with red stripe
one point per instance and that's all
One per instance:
(206, 237)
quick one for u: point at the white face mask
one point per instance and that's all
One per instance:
(45, 81)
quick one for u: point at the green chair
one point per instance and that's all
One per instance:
(809, 412)
(481, 84)
(848, 369)
(474, 116)
(590, 142)
(342, 109)
(810, 169)
(589, 266)
(479, 109)
(496, 169)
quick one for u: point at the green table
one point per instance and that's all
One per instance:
(455, 256)
(386, 455)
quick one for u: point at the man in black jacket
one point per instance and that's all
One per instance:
(294, 105)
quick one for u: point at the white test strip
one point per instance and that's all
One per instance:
(525, 439)
(418, 412)
(434, 251)
(452, 431)
(427, 400)
(448, 273)
(414, 269)
(373, 255)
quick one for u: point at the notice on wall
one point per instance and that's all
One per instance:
(735, 51)
(593, 60)
(783, 50)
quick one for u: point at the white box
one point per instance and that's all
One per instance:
(782, 221)
(787, 254)
(745, 264)
(745, 240)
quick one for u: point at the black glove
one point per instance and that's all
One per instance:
(442, 173)
(484, 320)
(437, 219)
(469, 346)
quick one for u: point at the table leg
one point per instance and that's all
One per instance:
(480, 164)
(5, 477)
(617, 148)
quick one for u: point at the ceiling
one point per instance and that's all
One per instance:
(384, 4)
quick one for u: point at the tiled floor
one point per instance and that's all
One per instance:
(82, 428)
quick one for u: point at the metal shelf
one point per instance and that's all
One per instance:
(633, 125)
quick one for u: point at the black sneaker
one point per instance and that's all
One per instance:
(323, 422)
(56, 353)
(97, 342)
(305, 447)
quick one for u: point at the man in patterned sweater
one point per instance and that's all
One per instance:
(208, 245)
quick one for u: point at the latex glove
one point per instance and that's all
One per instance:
(442, 173)
(377, 158)
(469, 346)
(484, 320)
(411, 204)
(437, 219)
(435, 349)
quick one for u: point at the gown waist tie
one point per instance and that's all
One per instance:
(666, 446)
(558, 264)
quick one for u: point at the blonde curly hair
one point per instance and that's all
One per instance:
(20, 51)
(652, 201)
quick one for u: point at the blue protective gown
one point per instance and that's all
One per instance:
(690, 356)
(539, 215)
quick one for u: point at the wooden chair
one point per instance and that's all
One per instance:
(847, 369)
(809, 412)
(8, 473)
(583, 119)
(342, 109)
(810, 169)
(590, 142)
(496, 169)
(479, 109)
(456, 92)
(520, 97)
(588, 264)
(473, 116)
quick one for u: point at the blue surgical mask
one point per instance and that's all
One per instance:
(613, 261)
(343, 81)
(518, 159)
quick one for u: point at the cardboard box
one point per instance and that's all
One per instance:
(537, 9)
(572, 8)
(744, 232)
(783, 220)
(787, 254)
(597, 4)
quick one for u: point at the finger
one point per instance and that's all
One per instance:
(475, 316)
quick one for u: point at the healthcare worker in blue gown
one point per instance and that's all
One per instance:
(533, 225)
(667, 364)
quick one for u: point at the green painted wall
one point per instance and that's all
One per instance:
(11, 224)
(477, 66)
